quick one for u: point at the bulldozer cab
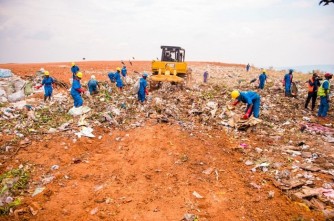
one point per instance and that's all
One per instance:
(171, 67)
(172, 53)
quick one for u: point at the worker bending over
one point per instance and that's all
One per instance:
(92, 85)
(251, 98)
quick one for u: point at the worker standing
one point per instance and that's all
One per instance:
(92, 85)
(118, 79)
(251, 98)
(313, 85)
(76, 90)
(47, 82)
(205, 76)
(247, 67)
(142, 92)
(262, 79)
(124, 71)
(287, 83)
(323, 93)
(74, 69)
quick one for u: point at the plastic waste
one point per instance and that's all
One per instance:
(17, 96)
(86, 132)
(5, 73)
(38, 190)
(135, 88)
(75, 111)
(55, 167)
(197, 195)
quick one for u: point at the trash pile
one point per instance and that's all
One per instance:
(12, 87)
(293, 145)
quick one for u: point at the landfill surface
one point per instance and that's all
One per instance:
(185, 154)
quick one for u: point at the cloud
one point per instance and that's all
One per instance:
(264, 32)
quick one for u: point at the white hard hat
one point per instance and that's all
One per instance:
(42, 70)
(92, 77)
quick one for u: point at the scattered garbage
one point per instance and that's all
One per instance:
(38, 190)
(294, 166)
(5, 73)
(189, 217)
(86, 132)
(76, 111)
(197, 195)
(54, 167)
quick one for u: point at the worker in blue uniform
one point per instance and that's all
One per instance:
(111, 76)
(74, 69)
(92, 85)
(47, 82)
(251, 98)
(142, 92)
(205, 76)
(124, 71)
(76, 90)
(287, 83)
(262, 79)
(323, 93)
(118, 79)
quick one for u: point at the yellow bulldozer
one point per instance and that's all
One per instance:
(171, 67)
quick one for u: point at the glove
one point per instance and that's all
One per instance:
(235, 102)
(246, 116)
(81, 90)
(249, 111)
(146, 91)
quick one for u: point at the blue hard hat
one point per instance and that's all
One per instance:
(145, 75)
(291, 70)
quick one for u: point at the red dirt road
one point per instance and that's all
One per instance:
(149, 173)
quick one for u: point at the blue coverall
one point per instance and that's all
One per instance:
(287, 82)
(47, 82)
(142, 87)
(119, 82)
(74, 70)
(262, 78)
(124, 71)
(251, 98)
(205, 76)
(92, 85)
(111, 76)
(324, 104)
(76, 93)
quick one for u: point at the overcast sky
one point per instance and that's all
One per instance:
(261, 32)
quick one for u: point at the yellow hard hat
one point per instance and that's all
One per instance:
(235, 94)
(46, 73)
(264, 71)
(73, 63)
(118, 69)
(79, 75)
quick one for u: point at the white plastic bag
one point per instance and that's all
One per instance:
(135, 88)
(75, 111)
(17, 96)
